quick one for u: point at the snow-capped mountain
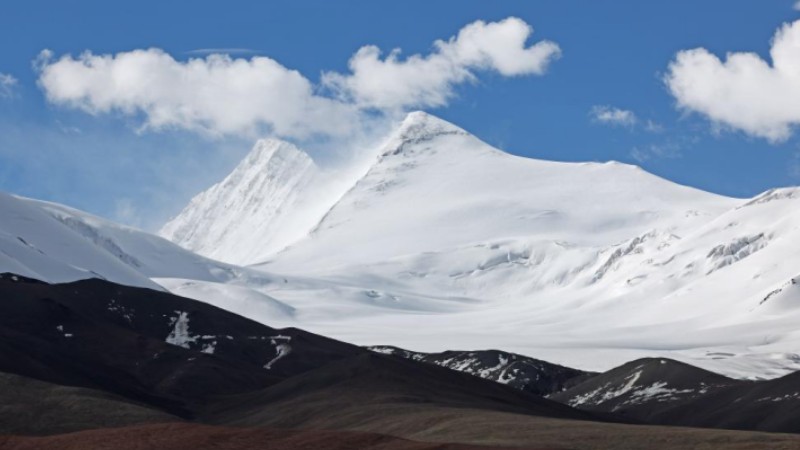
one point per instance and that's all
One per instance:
(436, 188)
(432, 187)
(442, 242)
(246, 213)
(584, 264)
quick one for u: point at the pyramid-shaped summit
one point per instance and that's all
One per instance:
(243, 214)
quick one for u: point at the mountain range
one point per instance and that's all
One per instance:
(584, 264)
(437, 241)
(437, 293)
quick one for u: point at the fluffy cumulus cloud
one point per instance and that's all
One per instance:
(220, 95)
(7, 85)
(428, 81)
(613, 116)
(744, 91)
(216, 94)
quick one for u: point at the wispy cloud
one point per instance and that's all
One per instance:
(653, 127)
(618, 117)
(219, 94)
(744, 91)
(796, 5)
(669, 150)
(610, 115)
(7, 85)
(78, 169)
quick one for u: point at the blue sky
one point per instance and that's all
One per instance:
(614, 54)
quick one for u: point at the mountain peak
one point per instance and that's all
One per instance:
(264, 150)
(419, 126)
(253, 198)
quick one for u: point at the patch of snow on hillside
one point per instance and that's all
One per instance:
(282, 348)
(180, 335)
(658, 392)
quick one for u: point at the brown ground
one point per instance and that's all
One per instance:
(184, 436)
(504, 429)
(33, 407)
(386, 402)
(492, 431)
(493, 428)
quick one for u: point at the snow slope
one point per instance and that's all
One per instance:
(436, 188)
(448, 243)
(432, 187)
(246, 214)
(587, 264)
(55, 243)
(724, 296)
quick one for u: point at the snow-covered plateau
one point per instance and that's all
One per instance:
(443, 242)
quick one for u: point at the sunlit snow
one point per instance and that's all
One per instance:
(444, 242)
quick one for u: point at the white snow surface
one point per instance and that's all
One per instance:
(247, 213)
(55, 243)
(435, 188)
(282, 348)
(180, 335)
(447, 243)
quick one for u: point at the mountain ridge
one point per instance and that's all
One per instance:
(408, 141)
(268, 181)
(584, 264)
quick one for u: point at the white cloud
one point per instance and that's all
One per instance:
(743, 92)
(216, 94)
(797, 5)
(428, 81)
(613, 116)
(221, 95)
(7, 85)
